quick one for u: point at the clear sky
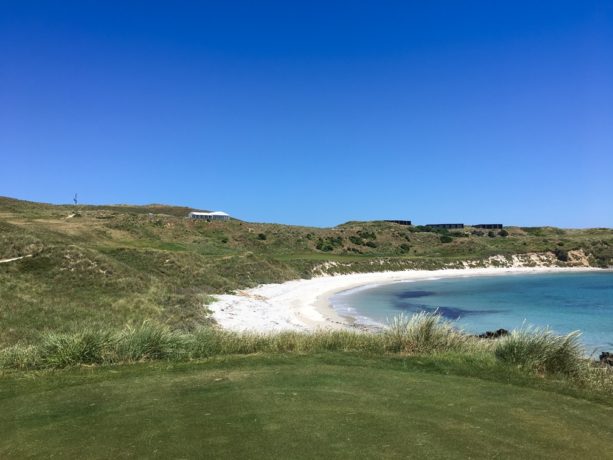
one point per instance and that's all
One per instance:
(315, 113)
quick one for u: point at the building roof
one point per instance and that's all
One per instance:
(214, 213)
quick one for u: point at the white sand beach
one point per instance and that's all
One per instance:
(304, 305)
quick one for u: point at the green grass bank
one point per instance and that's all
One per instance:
(331, 405)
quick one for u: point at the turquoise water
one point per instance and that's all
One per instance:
(562, 301)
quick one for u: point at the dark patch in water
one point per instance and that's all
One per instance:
(414, 294)
(446, 312)
(597, 288)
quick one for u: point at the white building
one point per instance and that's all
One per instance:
(215, 215)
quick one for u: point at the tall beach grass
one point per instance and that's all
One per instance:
(542, 351)
(426, 333)
(534, 350)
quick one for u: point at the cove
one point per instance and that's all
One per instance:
(563, 302)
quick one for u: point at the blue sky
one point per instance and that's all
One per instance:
(313, 112)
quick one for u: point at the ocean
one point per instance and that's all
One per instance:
(564, 302)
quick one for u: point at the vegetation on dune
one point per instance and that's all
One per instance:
(533, 351)
(119, 265)
(542, 351)
(127, 284)
(426, 333)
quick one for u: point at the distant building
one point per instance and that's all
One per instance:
(448, 226)
(209, 216)
(488, 226)
(401, 222)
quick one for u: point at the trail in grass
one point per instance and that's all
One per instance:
(326, 406)
(5, 261)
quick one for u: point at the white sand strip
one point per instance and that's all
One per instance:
(304, 305)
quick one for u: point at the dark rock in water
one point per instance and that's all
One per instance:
(493, 334)
(606, 358)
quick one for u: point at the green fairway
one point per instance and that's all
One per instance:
(313, 406)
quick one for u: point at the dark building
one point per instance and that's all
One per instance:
(488, 226)
(448, 226)
(401, 222)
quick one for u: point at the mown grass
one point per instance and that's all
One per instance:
(534, 351)
(329, 405)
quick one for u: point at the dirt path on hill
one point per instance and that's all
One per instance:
(4, 261)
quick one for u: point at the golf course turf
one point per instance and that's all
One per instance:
(333, 405)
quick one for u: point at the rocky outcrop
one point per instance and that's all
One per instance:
(493, 334)
(606, 358)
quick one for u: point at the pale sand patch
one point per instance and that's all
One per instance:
(304, 305)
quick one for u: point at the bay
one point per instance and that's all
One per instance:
(564, 302)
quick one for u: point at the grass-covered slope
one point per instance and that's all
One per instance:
(85, 280)
(313, 406)
(112, 265)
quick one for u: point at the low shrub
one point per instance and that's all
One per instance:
(367, 235)
(356, 240)
(329, 243)
(561, 254)
(421, 229)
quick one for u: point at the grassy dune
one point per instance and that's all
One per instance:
(117, 265)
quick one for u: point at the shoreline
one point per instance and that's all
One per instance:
(304, 304)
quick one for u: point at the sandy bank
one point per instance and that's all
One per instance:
(304, 305)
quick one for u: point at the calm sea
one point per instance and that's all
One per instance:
(562, 301)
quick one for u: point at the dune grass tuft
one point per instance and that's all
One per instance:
(542, 351)
(87, 347)
(149, 342)
(21, 357)
(427, 333)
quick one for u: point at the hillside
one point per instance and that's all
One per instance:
(111, 265)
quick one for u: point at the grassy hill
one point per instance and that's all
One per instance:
(112, 265)
(181, 389)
